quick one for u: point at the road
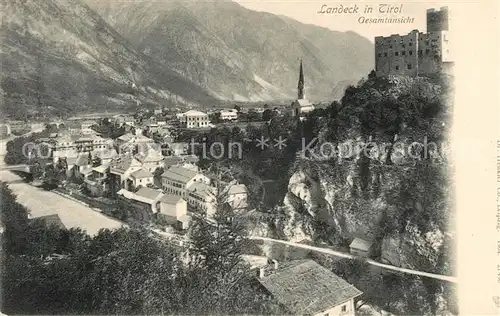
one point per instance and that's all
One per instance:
(369, 261)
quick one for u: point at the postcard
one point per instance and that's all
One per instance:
(250, 157)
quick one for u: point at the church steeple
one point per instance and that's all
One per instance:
(301, 93)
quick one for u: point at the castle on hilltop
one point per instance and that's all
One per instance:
(416, 53)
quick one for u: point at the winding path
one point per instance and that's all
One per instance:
(369, 261)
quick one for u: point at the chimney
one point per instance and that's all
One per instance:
(275, 262)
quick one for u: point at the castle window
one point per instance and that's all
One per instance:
(385, 54)
(379, 54)
(403, 53)
(390, 46)
(409, 66)
(397, 67)
(410, 52)
(420, 52)
(427, 51)
(410, 44)
(396, 53)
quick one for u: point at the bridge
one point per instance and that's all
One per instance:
(22, 167)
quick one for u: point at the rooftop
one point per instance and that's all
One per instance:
(201, 189)
(305, 287)
(179, 174)
(149, 193)
(101, 168)
(195, 113)
(361, 244)
(141, 173)
(126, 137)
(122, 164)
(171, 199)
(237, 189)
(151, 155)
(304, 102)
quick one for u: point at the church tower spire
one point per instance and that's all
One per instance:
(301, 94)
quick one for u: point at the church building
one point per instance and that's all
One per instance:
(301, 105)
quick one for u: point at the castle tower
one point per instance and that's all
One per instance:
(437, 19)
(300, 88)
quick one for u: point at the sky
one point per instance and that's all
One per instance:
(306, 11)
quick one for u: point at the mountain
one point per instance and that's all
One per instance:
(240, 54)
(59, 56)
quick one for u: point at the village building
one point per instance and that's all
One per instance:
(178, 148)
(173, 210)
(237, 197)
(5, 130)
(301, 106)
(97, 183)
(303, 287)
(86, 127)
(177, 179)
(151, 159)
(202, 196)
(141, 177)
(74, 127)
(144, 203)
(72, 145)
(120, 170)
(229, 115)
(194, 119)
(105, 155)
(361, 247)
(82, 167)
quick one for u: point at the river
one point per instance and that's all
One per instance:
(41, 202)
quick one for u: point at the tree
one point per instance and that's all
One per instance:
(253, 116)
(268, 114)
(96, 161)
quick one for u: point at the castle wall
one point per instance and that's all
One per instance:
(416, 53)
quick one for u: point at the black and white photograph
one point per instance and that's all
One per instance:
(218, 157)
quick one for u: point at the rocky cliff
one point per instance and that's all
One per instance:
(378, 171)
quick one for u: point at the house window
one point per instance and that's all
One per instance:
(403, 53)
(410, 44)
(390, 46)
(410, 52)
(379, 54)
(427, 51)
(396, 53)
(343, 308)
(420, 52)
(397, 67)
(385, 54)
(409, 66)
